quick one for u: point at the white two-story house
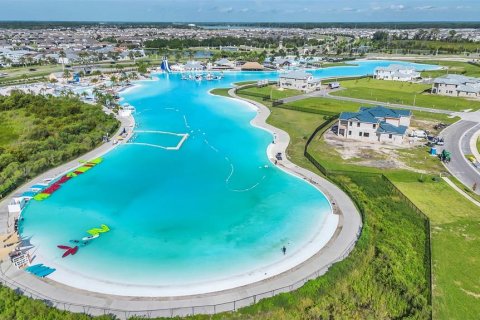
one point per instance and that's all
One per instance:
(375, 124)
(396, 72)
(299, 80)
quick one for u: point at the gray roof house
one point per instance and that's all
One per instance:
(457, 86)
(374, 124)
(299, 80)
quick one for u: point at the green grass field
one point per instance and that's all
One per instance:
(402, 93)
(271, 91)
(451, 67)
(455, 245)
(220, 92)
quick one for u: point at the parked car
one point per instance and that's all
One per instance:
(418, 134)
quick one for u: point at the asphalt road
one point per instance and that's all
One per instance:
(457, 141)
(326, 94)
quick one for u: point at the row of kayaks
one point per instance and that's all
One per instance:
(40, 270)
(94, 233)
(49, 190)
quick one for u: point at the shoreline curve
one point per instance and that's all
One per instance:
(336, 248)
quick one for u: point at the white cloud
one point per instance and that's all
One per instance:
(397, 7)
(426, 8)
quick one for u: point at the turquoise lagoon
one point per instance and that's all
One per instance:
(212, 215)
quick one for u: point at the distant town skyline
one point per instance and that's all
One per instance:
(240, 10)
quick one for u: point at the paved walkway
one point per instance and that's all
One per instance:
(337, 248)
(463, 193)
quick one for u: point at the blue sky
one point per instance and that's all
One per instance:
(241, 10)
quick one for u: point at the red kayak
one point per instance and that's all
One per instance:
(68, 250)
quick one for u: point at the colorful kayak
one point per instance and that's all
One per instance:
(68, 250)
(96, 231)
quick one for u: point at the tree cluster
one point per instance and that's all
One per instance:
(52, 131)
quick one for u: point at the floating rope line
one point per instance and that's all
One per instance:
(232, 170)
(177, 147)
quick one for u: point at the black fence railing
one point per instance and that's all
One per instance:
(328, 173)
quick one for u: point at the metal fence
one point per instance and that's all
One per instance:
(393, 188)
(174, 311)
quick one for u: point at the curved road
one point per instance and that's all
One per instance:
(457, 141)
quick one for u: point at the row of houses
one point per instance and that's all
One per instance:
(454, 85)
(13, 56)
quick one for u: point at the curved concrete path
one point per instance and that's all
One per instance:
(343, 241)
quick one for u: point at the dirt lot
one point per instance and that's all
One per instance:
(379, 155)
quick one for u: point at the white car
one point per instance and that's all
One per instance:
(418, 134)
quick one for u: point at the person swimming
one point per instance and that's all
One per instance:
(284, 250)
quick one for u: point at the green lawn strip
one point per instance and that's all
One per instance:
(271, 91)
(338, 64)
(457, 67)
(402, 93)
(478, 144)
(242, 83)
(330, 106)
(299, 126)
(455, 244)
(220, 92)
(464, 188)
